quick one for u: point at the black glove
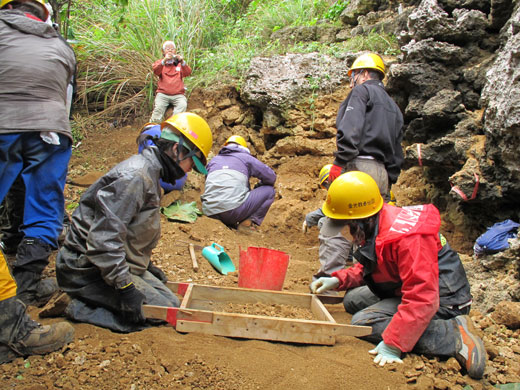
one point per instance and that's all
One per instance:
(131, 304)
(157, 272)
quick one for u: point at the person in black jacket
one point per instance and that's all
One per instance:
(369, 125)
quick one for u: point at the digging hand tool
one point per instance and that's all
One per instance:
(195, 246)
(193, 258)
(192, 248)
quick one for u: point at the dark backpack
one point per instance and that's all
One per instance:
(495, 238)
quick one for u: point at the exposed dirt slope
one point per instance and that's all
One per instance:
(161, 358)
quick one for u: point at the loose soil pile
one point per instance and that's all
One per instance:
(269, 310)
(161, 358)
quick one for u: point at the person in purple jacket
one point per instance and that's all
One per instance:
(228, 196)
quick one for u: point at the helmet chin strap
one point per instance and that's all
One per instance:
(357, 232)
(356, 76)
(180, 144)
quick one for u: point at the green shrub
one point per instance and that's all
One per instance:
(118, 41)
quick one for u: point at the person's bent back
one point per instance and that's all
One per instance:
(227, 195)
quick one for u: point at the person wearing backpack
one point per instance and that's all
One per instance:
(408, 284)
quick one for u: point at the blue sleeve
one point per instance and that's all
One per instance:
(179, 183)
(313, 217)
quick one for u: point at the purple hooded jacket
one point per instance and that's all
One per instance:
(227, 183)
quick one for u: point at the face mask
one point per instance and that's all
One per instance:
(354, 232)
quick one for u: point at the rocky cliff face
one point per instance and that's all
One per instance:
(456, 81)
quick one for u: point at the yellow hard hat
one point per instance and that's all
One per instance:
(147, 125)
(353, 195)
(194, 128)
(368, 61)
(237, 140)
(42, 2)
(324, 174)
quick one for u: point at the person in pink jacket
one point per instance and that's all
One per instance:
(171, 71)
(408, 284)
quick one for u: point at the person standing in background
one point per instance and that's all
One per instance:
(171, 70)
(35, 135)
(369, 133)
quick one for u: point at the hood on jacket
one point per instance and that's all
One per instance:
(233, 148)
(18, 20)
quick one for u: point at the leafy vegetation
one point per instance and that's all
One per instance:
(336, 9)
(117, 41)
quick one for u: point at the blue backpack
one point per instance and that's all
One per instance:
(495, 238)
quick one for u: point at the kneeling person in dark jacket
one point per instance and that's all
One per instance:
(409, 285)
(104, 264)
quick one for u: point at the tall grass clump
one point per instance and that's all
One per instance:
(117, 46)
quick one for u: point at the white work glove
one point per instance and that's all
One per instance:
(304, 227)
(386, 354)
(324, 284)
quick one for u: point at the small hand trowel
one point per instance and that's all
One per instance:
(218, 258)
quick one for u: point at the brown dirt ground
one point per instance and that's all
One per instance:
(161, 358)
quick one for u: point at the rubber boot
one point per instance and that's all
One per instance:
(44, 339)
(32, 290)
(31, 259)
